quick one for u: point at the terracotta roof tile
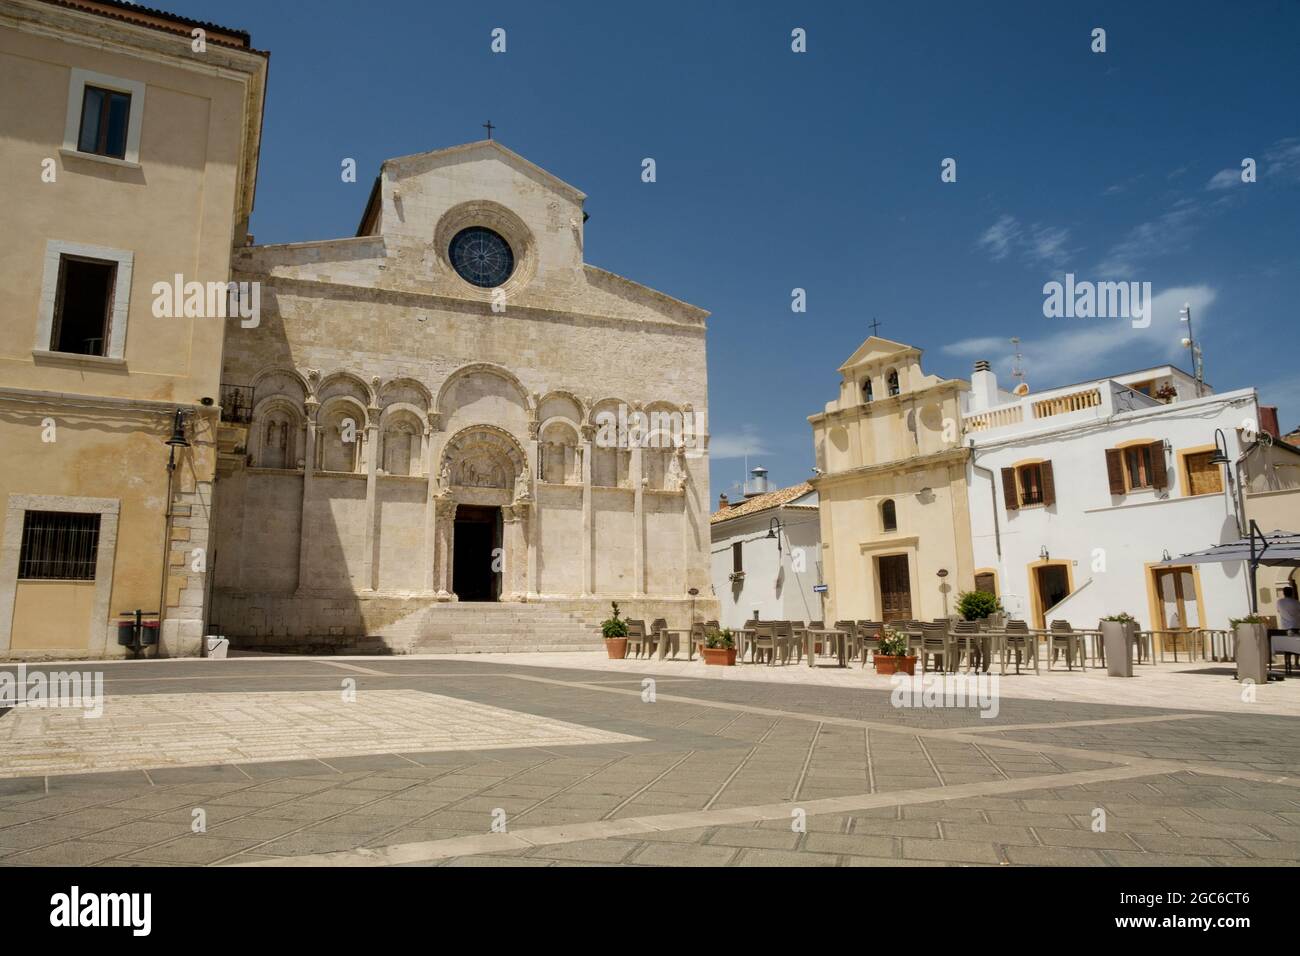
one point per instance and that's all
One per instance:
(772, 499)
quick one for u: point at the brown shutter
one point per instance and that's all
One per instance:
(1009, 489)
(1049, 485)
(1159, 474)
(1115, 470)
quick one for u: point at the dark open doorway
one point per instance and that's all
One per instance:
(476, 559)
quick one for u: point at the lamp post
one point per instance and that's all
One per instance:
(774, 529)
(1193, 348)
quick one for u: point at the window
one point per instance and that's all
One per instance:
(892, 381)
(737, 561)
(58, 546)
(1029, 485)
(104, 118)
(866, 389)
(986, 583)
(1136, 467)
(888, 515)
(105, 115)
(1203, 478)
(83, 306)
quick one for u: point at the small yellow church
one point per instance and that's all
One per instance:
(891, 480)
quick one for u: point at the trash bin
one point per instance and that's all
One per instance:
(148, 633)
(126, 633)
(1119, 652)
(1253, 652)
(217, 647)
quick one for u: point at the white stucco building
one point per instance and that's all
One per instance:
(1077, 493)
(766, 555)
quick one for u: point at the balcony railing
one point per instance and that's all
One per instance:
(236, 403)
(996, 418)
(1064, 404)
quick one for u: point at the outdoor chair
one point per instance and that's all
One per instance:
(764, 641)
(635, 635)
(669, 636)
(699, 636)
(1015, 637)
(786, 645)
(1064, 638)
(868, 638)
(966, 641)
(936, 642)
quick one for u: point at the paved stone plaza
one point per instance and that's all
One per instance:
(581, 769)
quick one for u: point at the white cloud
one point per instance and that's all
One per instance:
(1075, 349)
(1224, 179)
(1148, 240)
(1036, 244)
(738, 445)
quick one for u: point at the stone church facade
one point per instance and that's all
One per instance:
(452, 407)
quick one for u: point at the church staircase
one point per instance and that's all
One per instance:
(482, 628)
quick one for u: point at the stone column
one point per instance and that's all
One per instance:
(638, 522)
(588, 565)
(444, 540)
(311, 406)
(516, 546)
(430, 511)
(370, 558)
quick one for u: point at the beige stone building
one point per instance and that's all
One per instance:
(895, 527)
(451, 432)
(129, 143)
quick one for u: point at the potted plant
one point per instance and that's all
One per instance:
(977, 605)
(891, 656)
(614, 630)
(1254, 652)
(1118, 634)
(719, 647)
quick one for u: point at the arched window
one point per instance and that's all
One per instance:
(888, 515)
(892, 380)
(866, 389)
(340, 439)
(399, 443)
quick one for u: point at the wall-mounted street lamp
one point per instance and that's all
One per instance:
(774, 529)
(1043, 553)
(177, 439)
(1220, 456)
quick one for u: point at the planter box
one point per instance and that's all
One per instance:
(616, 648)
(724, 656)
(1253, 652)
(889, 664)
(1115, 637)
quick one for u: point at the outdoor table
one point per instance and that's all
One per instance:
(744, 641)
(674, 636)
(1175, 633)
(811, 636)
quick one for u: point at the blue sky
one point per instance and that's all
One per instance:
(820, 170)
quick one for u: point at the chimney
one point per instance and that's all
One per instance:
(723, 503)
(983, 387)
(1268, 421)
(758, 484)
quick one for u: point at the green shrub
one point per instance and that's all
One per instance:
(1248, 619)
(973, 605)
(892, 643)
(614, 626)
(723, 638)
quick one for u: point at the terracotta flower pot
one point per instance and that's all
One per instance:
(724, 656)
(890, 664)
(616, 647)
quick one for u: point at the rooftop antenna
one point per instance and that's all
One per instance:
(1017, 368)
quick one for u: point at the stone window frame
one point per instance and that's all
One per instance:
(77, 84)
(109, 510)
(115, 348)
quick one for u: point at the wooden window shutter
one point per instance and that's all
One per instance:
(1115, 470)
(1049, 484)
(1009, 494)
(1159, 474)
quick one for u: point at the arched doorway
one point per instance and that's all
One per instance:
(484, 475)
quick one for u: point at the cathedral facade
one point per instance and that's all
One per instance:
(453, 408)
